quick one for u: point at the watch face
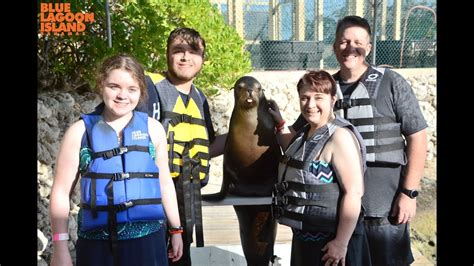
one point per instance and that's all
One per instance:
(413, 193)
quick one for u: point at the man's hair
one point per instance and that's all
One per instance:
(191, 36)
(353, 21)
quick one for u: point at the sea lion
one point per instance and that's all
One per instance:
(251, 156)
(251, 151)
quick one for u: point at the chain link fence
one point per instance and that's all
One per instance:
(298, 34)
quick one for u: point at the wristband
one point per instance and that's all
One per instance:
(60, 236)
(280, 125)
(175, 230)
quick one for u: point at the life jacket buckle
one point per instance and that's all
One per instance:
(124, 205)
(121, 150)
(280, 188)
(115, 152)
(343, 104)
(120, 176)
(185, 118)
(348, 104)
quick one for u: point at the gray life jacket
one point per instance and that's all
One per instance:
(381, 134)
(302, 200)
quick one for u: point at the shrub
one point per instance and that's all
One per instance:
(141, 28)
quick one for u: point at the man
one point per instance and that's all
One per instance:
(184, 112)
(383, 107)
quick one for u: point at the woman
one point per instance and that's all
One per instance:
(321, 180)
(126, 187)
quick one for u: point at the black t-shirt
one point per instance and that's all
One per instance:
(348, 88)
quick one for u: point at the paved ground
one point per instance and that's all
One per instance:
(232, 255)
(222, 242)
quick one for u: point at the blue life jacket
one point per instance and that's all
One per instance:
(120, 184)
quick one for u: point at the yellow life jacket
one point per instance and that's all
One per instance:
(186, 130)
(155, 77)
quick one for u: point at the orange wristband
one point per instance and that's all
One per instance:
(175, 230)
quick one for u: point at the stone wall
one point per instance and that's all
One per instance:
(57, 111)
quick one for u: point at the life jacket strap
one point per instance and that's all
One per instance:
(380, 134)
(348, 103)
(285, 159)
(285, 200)
(327, 194)
(122, 206)
(120, 176)
(189, 200)
(191, 143)
(119, 151)
(386, 147)
(370, 121)
(176, 118)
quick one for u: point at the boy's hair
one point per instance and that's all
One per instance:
(191, 36)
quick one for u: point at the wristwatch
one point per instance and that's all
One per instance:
(412, 193)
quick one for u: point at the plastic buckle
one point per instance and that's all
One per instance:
(347, 104)
(108, 155)
(343, 104)
(124, 205)
(121, 150)
(186, 118)
(120, 176)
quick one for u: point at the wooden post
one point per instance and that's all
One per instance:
(383, 21)
(299, 20)
(355, 7)
(397, 19)
(230, 12)
(319, 25)
(239, 17)
(273, 15)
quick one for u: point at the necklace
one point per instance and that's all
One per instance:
(119, 138)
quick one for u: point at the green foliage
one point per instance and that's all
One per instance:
(141, 28)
